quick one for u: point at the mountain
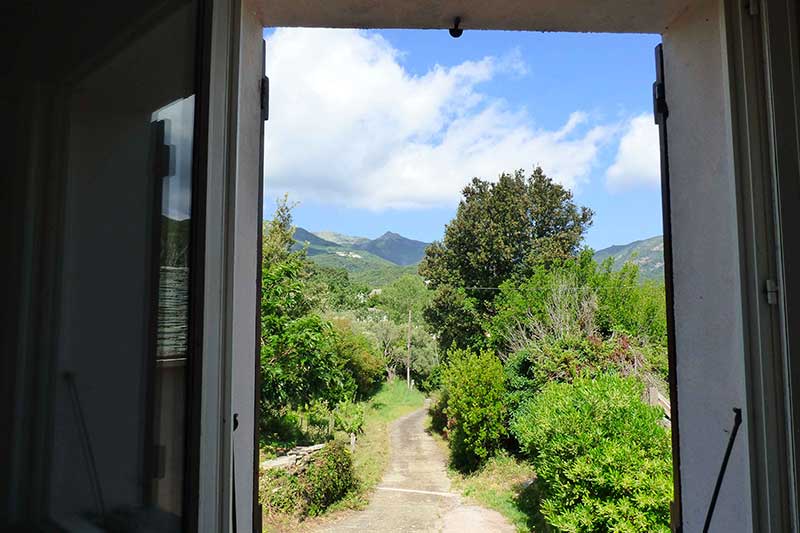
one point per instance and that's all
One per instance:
(339, 238)
(303, 236)
(648, 254)
(375, 262)
(395, 248)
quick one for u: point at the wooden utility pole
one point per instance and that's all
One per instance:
(408, 351)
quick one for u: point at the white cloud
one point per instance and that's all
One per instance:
(637, 162)
(350, 125)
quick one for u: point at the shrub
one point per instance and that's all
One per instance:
(349, 418)
(328, 477)
(438, 416)
(319, 422)
(601, 456)
(310, 489)
(362, 361)
(476, 410)
(563, 359)
(281, 492)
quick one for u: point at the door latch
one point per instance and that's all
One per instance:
(771, 290)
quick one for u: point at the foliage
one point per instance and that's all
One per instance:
(424, 358)
(564, 359)
(577, 296)
(456, 318)
(476, 410)
(387, 337)
(381, 275)
(319, 421)
(627, 305)
(328, 478)
(349, 417)
(281, 492)
(611, 470)
(362, 360)
(501, 230)
(405, 294)
(306, 361)
(278, 234)
(333, 289)
(436, 410)
(299, 364)
(310, 489)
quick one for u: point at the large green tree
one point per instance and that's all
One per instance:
(502, 230)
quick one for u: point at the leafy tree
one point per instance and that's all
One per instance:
(404, 300)
(332, 289)
(279, 234)
(406, 293)
(362, 361)
(501, 230)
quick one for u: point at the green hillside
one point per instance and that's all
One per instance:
(395, 248)
(350, 260)
(382, 275)
(648, 254)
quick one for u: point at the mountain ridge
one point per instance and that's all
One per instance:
(647, 254)
(392, 254)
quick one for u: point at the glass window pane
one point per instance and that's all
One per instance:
(101, 98)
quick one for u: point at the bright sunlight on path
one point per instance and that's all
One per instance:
(414, 495)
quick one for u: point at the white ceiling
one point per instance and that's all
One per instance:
(619, 16)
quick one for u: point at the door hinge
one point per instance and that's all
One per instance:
(660, 110)
(265, 98)
(752, 7)
(771, 290)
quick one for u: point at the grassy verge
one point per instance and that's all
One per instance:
(505, 484)
(372, 449)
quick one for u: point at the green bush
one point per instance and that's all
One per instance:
(310, 489)
(328, 478)
(319, 422)
(438, 416)
(601, 456)
(349, 417)
(476, 409)
(281, 492)
(362, 361)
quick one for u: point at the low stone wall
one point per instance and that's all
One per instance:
(297, 455)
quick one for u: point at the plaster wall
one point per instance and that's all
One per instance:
(708, 299)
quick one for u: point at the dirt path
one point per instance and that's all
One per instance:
(414, 495)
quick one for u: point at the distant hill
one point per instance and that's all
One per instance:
(395, 248)
(375, 262)
(339, 238)
(648, 254)
(378, 262)
(304, 236)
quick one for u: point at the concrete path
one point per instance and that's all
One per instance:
(414, 495)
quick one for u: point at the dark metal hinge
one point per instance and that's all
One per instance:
(771, 290)
(660, 109)
(752, 7)
(265, 98)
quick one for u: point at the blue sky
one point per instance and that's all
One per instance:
(377, 131)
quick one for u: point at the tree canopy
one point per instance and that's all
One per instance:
(501, 231)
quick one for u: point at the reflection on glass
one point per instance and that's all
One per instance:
(176, 125)
(106, 103)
